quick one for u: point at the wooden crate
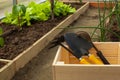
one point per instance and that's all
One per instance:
(67, 67)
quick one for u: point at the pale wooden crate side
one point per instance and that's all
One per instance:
(106, 53)
(72, 72)
(112, 60)
(8, 71)
(108, 49)
(54, 73)
(58, 56)
(74, 60)
(118, 54)
(64, 55)
(110, 55)
(107, 45)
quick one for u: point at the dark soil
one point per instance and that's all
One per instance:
(2, 64)
(18, 41)
(113, 26)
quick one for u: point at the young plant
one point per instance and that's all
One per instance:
(61, 9)
(37, 12)
(17, 16)
(1, 38)
(102, 19)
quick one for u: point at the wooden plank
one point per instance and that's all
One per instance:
(112, 60)
(64, 55)
(119, 54)
(87, 72)
(5, 60)
(58, 56)
(102, 4)
(109, 50)
(8, 71)
(108, 45)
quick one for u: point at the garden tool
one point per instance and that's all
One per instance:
(86, 36)
(59, 40)
(80, 47)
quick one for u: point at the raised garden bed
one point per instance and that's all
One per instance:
(20, 58)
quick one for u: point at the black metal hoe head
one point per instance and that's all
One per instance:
(78, 45)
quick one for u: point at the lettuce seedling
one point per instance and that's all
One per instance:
(38, 12)
(17, 16)
(1, 38)
(63, 9)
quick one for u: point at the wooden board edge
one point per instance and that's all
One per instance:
(102, 4)
(118, 54)
(7, 71)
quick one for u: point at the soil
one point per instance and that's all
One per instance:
(112, 25)
(18, 41)
(40, 68)
(2, 64)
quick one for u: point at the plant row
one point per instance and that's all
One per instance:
(24, 15)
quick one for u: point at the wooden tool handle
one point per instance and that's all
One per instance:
(94, 60)
(84, 61)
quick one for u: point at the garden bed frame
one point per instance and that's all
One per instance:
(12, 66)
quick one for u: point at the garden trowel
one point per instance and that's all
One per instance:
(86, 36)
(77, 54)
(80, 47)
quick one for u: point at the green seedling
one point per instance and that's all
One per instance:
(36, 12)
(17, 16)
(1, 38)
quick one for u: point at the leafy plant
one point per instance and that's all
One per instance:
(1, 38)
(17, 16)
(62, 9)
(38, 12)
(102, 21)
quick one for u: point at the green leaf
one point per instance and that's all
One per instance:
(1, 42)
(41, 12)
(17, 9)
(1, 39)
(62, 9)
(1, 31)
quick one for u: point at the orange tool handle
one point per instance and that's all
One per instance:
(94, 60)
(84, 61)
